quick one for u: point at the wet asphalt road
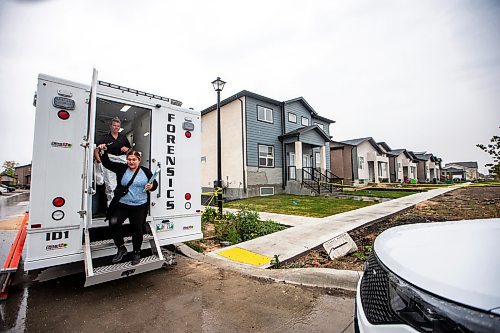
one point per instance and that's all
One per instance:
(187, 297)
(13, 204)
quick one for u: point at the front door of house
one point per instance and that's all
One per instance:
(307, 166)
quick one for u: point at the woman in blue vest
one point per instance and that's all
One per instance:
(131, 200)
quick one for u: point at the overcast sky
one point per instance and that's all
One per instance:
(421, 75)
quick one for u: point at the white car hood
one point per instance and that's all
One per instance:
(458, 260)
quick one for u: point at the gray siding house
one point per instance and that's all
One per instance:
(268, 146)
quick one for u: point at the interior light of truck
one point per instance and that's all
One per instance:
(125, 108)
(58, 202)
(146, 134)
(187, 196)
(63, 114)
(58, 215)
(188, 134)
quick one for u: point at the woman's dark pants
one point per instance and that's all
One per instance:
(137, 218)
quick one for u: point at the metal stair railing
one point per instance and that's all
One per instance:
(325, 180)
(334, 179)
(308, 180)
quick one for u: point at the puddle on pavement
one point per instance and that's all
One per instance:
(13, 311)
(13, 205)
(6, 239)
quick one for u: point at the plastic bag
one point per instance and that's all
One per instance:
(99, 176)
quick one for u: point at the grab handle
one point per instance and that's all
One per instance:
(159, 181)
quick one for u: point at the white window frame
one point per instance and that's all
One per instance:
(267, 157)
(306, 121)
(292, 115)
(267, 114)
(361, 162)
(265, 195)
(320, 126)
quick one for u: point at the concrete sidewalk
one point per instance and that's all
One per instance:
(308, 233)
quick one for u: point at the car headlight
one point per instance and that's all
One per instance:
(427, 313)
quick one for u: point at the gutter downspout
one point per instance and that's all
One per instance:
(243, 148)
(283, 161)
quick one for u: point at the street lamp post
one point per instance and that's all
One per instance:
(218, 86)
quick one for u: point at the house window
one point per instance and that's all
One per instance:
(317, 159)
(264, 114)
(361, 161)
(305, 121)
(292, 117)
(266, 191)
(381, 170)
(399, 167)
(266, 156)
(320, 126)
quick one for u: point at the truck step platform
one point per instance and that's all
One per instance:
(112, 272)
(96, 275)
(100, 244)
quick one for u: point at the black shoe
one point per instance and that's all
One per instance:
(122, 250)
(136, 258)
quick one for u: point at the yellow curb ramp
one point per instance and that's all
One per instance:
(244, 256)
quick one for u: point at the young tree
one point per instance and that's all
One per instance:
(493, 148)
(9, 167)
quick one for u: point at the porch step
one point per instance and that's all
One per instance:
(125, 269)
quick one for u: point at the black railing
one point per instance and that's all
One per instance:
(334, 180)
(308, 180)
(316, 180)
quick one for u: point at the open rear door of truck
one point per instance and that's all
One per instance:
(88, 185)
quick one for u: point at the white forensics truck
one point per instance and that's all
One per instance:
(67, 206)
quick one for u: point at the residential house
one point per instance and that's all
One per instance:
(467, 171)
(267, 146)
(7, 180)
(359, 161)
(23, 175)
(428, 166)
(402, 166)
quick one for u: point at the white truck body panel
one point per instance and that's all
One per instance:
(59, 165)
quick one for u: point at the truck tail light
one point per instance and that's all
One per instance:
(188, 134)
(58, 202)
(187, 196)
(63, 114)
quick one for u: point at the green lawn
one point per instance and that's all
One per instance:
(380, 193)
(298, 205)
(487, 183)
